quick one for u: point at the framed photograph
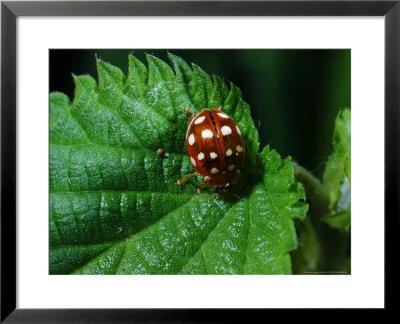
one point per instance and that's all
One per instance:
(161, 158)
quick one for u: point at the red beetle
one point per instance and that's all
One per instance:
(215, 147)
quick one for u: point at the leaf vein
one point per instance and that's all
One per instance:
(209, 234)
(248, 238)
(121, 259)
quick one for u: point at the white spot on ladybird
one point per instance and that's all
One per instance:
(213, 155)
(191, 139)
(199, 120)
(207, 178)
(231, 167)
(214, 170)
(238, 130)
(193, 161)
(239, 148)
(229, 152)
(200, 156)
(226, 130)
(227, 185)
(221, 114)
(207, 134)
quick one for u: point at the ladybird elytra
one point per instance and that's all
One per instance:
(215, 147)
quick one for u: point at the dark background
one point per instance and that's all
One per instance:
(294, 95)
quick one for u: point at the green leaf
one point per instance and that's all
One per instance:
(340, 220)
(115, 207)
(337, 175)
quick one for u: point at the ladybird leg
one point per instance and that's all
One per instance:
(224, 192)
(187, 110)
(232, 194)
(179, 182)
(201, 186)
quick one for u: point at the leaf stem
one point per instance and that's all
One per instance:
(315, 191)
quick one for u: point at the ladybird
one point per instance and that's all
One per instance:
(215, 146)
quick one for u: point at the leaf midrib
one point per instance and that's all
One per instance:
(116, 147)
(122, 191)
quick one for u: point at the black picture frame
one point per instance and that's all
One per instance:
(11, 10)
